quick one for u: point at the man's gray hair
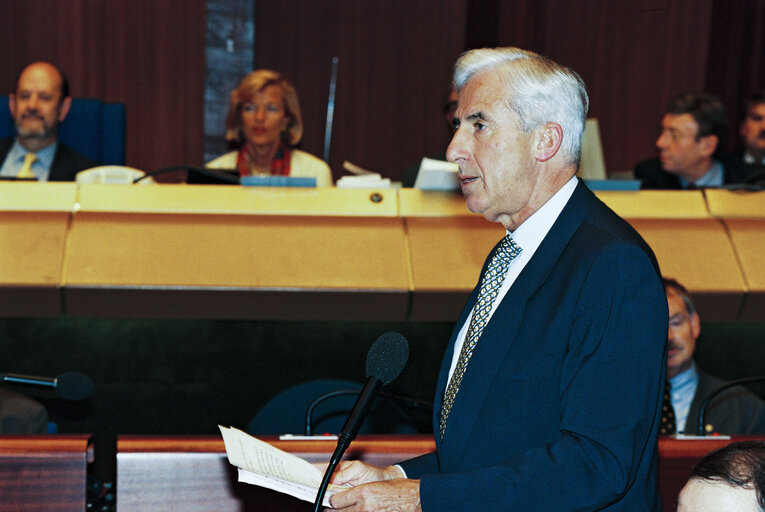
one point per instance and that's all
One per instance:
(539, 91)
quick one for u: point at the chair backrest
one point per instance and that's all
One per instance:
(93, 128)
(285, 413)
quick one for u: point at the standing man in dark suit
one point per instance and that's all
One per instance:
(550, 390)
(735, 411)
(691, 143)
(40, 103)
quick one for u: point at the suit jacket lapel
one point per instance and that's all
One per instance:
(502, 330)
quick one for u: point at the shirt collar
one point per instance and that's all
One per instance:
(714, 177)
(44, 157)
(681, 381)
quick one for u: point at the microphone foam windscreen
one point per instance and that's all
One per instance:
(387, 357)
(74, 386)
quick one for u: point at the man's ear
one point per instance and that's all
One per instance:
(548, 141)
(12, 104)
(709, 144)
(66, 104)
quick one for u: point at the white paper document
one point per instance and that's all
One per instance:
(263, 465)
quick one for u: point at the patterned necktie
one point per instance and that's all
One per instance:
(26, 167)
(490, 285)
(667, 422)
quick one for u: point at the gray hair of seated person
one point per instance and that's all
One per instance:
(252, 84)
(739, 464)
(539, 91)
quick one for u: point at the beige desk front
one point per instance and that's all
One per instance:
(743, 215)
(237, 252)
(690, 245)
(34, 219)
(447, 246)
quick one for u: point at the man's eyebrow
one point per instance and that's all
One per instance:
(477, 116)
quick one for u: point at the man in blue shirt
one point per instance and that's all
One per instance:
(735, 411)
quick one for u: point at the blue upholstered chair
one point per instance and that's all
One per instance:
(286, 412)
(93, 128)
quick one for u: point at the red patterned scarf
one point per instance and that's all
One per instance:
(280, 165)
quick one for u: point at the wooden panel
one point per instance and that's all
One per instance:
(448, 246)
(43, 473)
(656, 204)
(699, 254)
(193, 474)
(33, 224)
(743, 214)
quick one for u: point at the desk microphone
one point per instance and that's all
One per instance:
(385, 361)
(703, 410)
(69, 386)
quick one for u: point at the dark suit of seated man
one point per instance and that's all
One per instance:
(550, 389)
(693, 136)
(734, 411)
(21, 415)
(40, 103)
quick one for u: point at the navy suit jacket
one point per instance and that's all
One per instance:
(66, 163)
(560, 403)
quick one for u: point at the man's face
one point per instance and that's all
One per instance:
(703, 496)
(37, 107)
(496, 163)
(753, 130)
(683, 331)
(679, 151)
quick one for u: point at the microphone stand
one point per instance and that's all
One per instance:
(708, 400)
(348, 434)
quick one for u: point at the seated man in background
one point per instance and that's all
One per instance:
(731, 479)
(40, 104)
(21, 415)
(692, 138)
(753, 132)
(735, 411)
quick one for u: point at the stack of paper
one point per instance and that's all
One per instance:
(263, 465)
(371, 180)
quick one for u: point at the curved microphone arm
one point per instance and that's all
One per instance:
(325, 396)
(708, 400)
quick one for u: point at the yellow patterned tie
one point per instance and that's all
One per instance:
(26, 167)
(490, 285)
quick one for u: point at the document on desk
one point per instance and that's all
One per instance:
(264, 465)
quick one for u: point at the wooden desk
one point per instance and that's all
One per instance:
(44, 473)
(236, 252)
(193, 474)
(230, 252)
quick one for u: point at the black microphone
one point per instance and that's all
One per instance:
(385, 361)
(705, 405)
(69, 386)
